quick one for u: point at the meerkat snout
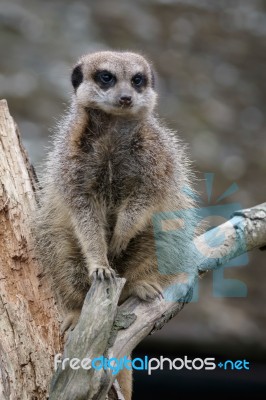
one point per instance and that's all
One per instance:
(119, 83)
(125, 101)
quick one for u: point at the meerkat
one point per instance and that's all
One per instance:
(113, 168)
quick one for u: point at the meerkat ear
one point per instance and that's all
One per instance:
(77, 76)
(152, 78)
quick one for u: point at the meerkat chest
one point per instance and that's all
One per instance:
(113, 170)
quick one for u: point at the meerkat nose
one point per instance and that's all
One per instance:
(125, 100)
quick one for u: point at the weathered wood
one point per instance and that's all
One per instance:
(136, 319)
(29, 334)
(88, 341)
(245, 231)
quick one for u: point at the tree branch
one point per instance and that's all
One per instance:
(135, 319)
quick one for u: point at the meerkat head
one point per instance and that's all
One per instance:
(119, 83)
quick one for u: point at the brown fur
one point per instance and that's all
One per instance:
(111, 168)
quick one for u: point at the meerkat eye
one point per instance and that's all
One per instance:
(105, 79)
(138, 80)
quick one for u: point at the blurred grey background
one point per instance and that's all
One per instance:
(210, 59)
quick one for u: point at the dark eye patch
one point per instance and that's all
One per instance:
(139, 81)
(105, 79)
(77, 76)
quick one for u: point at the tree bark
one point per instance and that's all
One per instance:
(29, 327)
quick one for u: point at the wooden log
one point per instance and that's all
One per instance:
(29, 327)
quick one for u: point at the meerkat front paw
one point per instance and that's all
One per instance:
(147, 291)
(70, 321)
(102, 273)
